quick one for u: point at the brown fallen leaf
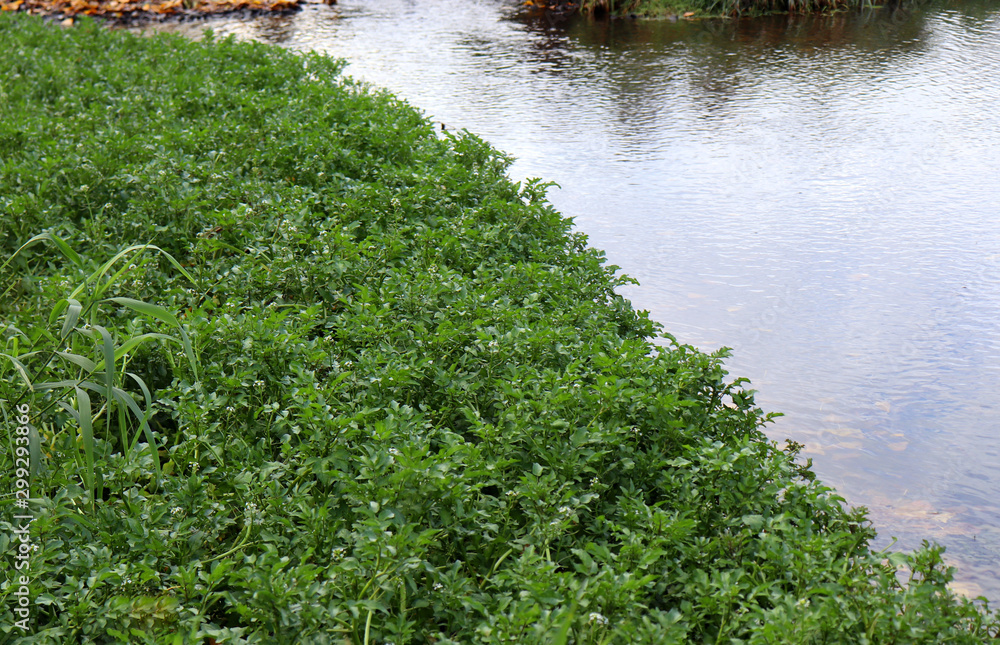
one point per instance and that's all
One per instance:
(171, 6)
(133, 9)
(688, 14)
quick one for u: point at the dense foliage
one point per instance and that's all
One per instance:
(305, 371)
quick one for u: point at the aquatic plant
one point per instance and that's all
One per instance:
(395, 397)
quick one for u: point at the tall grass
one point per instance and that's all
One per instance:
(49, 370)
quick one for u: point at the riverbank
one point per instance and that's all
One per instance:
(406, 404)
(138, 12)
(146, 11)
(698, 9)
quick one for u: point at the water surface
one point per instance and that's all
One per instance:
(821, 194)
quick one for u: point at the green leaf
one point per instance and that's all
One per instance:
(82, 361)
(66, 250)
(72, 316)
(899, 560)
(132, 343)
(152, 310)
(125, 398)
(86, 420)
(108, 347)
(20, 369)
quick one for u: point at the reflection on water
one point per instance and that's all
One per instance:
(819, 193)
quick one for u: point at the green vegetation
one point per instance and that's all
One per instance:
(302, 371)
(717, 8)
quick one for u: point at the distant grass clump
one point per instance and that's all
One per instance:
(301, 371)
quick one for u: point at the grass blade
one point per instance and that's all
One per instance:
(125, 398)
(59, 242)
(97, 275)
(82, 361)
(154, 311)
(19, 367)
(86, 420)
(66, 249)
(108, 348)
(132, 343)
(158, 312)
(72, 316)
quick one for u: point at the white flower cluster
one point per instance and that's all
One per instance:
(565, 512)
(251, 514)
(600, 619)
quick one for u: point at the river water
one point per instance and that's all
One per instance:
(821, 194)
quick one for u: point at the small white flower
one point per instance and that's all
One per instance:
(258, 383)
(600, 619)
(337, 554)
(438, 586)
(511, 493)
(803, 602)
(565, 510)
(177, 510)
